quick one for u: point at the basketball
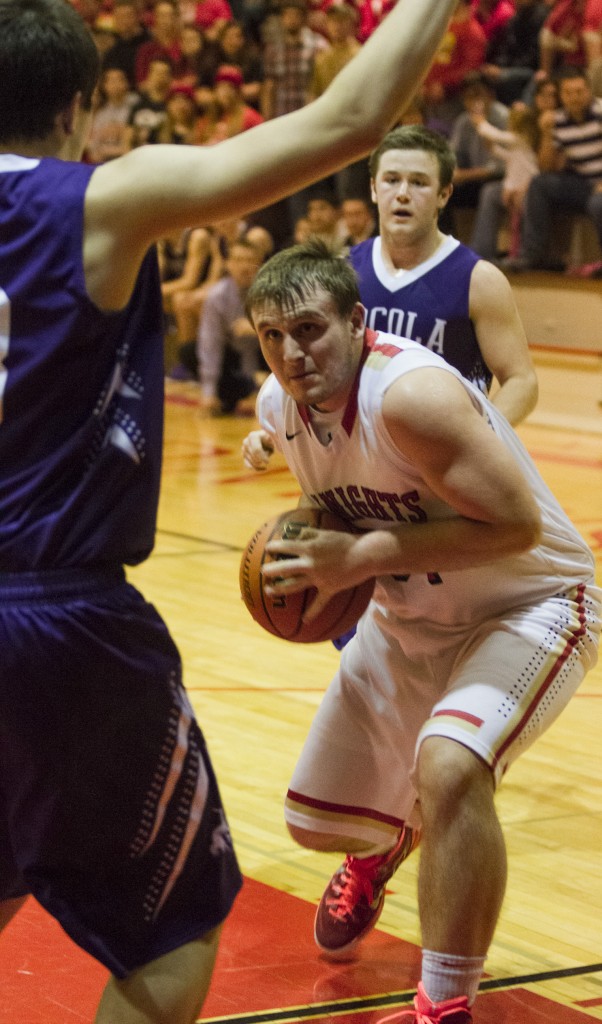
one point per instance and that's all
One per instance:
(282, 615)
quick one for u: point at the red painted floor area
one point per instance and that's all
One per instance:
(267, 962)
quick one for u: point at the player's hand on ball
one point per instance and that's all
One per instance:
(317, 558)
(257, 448)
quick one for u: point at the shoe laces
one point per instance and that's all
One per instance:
(353, 881)
(415, 1016)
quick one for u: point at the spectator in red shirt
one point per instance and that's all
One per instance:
(211, 15)
(592, 31)
(561, 39)
(165, 41)
(462, 51)
(232, 115)
(492, 16)
(371, 13)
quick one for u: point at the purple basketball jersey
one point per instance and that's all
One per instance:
(428, 304)
(81, 390)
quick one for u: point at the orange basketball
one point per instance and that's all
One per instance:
(282, 615)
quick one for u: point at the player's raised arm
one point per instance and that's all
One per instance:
(137, 197)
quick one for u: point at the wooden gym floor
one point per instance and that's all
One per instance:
(255, 697)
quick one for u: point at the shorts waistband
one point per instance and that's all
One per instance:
(57, 584)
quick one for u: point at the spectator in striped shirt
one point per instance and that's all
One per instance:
(570, 158)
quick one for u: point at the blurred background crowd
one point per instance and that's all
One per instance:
(514, 84)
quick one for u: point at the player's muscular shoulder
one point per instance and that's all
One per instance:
(424, 406)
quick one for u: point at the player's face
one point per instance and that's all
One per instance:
(312, 351)
(408, 194)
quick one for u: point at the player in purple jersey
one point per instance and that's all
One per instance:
(485, 616)
(109, 811)
(418, 283)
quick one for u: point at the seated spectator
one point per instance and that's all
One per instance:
(109, 132)
(462, 51)
(188, 303)
(288, 61)
(180, 125)
(212, 15)
(592, 31)
(130, 34)
(476, 165)
(230, 114)
(150, 111)
(104, 39)
(233, 47)
(513, 58)
(184, 260)
(261, 238)
(561, 40)
(492, 206)
(228, 353)
(359, 221)
(341, 26)
(492, 16)
(570, 158)
(165, 41)
(301, 231)
(517, 148)
(192, 46)
(324, 219)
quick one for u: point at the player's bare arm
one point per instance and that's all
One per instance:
(136, 199)
(463, 462)
(503, 343)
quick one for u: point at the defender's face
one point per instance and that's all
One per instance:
(311, 349)
(407, 192)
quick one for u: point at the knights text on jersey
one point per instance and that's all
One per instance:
(362, 476)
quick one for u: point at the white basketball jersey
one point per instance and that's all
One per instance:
(362, 476)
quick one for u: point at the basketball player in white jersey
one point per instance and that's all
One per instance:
(109, 810)
(484, 621)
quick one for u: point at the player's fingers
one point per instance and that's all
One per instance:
(316, 606)
(256, 461)
(282, 585)
(282, 569)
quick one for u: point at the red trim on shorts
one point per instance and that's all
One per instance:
(359, 812)
(460, 714)
(551, 676)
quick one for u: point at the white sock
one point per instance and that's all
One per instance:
(445, 976)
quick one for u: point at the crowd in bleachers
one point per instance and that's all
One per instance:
(516, 86)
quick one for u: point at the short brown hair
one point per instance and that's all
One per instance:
(416, 136)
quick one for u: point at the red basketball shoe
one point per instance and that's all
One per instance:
(353, 899)
(450, 1011)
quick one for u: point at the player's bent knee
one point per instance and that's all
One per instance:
(447, 772)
